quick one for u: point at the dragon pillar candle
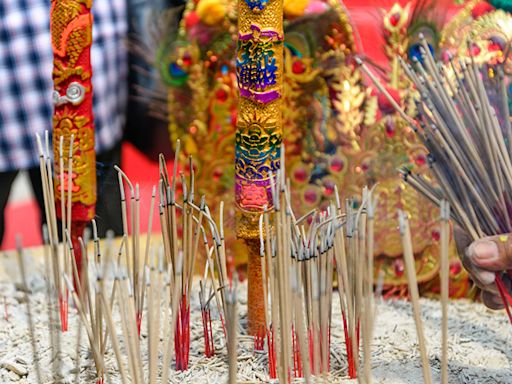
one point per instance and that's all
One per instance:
(259, 66)
(73, 122)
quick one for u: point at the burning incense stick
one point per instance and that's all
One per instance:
(169, 332)
(204, 299)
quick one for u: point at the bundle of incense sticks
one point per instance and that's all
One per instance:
(187, 228)
(162, 280)
(61, 258)
(91, 300)
(97, 300)
(196, 221)
(300, 265)
(84, 305)
(132, 250)
(464, 122)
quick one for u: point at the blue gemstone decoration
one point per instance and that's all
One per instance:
(256, 4)
(414, 52)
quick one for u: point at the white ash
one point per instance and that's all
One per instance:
(480, 344)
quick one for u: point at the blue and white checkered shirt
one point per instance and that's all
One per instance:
(26, 63)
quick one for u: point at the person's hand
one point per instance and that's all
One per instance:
(482, 259)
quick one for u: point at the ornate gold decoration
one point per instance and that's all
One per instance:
(71, 34)
(489, 35)
(67, 124)
(259, 128)
(259, 68)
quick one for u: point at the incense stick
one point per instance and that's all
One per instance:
(54, 336)
(232, 325)
(51, 220)
(413, 293)
(21, 265)
(445, 279)
(98, 359)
